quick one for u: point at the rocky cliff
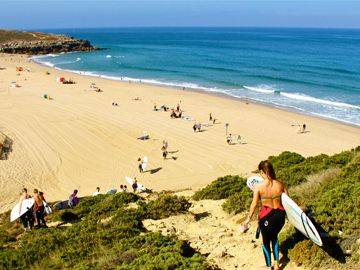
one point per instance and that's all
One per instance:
(41, 43)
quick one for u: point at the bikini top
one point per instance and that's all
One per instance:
(269, 198)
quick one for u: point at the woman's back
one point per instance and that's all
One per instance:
(270, 193)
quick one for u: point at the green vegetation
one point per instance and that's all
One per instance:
(119, 243)
(12, 35)
(326, 185)
(107, 234)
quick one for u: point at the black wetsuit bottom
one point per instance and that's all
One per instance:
(270, 226)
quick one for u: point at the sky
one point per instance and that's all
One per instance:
(50, 14)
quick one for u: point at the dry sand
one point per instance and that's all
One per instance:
(78, 140)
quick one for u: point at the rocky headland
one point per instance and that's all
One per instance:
(21, 42)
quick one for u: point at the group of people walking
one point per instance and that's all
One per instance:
(37, 211)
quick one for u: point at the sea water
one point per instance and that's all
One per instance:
(309, 71)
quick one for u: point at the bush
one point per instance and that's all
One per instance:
(221, 188)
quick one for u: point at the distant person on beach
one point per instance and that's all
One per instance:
(134, 184)
(155, 107)
(210, 118)
(97, 192)
(121, 189)
(303, 128)
(28, 217)
(178, 108)
(125, 189)
(180, 114)
(272, 214)
(214, 120)
(298, 130)
(229, 139)
(73, 199)
(140, 165)
(194, 127)
(198, 126)
(239, 139)
(165, 144)
(39, 209)
(163, 148)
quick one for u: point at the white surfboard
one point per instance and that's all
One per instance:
(25, 206)
(130, 181)
(251, 181)
(47, 208)
(295, 215)
(145, 160)
(300, 220)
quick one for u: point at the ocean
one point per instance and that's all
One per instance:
(310, 71)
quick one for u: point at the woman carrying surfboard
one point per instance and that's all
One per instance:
(272, 215)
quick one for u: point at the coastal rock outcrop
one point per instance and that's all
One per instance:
(41, 43)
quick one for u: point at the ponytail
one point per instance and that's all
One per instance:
(268, 169)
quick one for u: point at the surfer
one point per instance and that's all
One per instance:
(39, 209)
(134, 184)
(97, 192)
(121, 189)
(140, 165)
(73, 199)
(28, 216)
(272, 214)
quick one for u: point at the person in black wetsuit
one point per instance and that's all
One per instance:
(272, 215)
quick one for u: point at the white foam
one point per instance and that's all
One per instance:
(304, 97)
(262, 90)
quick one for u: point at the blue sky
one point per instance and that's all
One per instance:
(27, 14)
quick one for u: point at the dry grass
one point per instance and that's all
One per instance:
(308, 188)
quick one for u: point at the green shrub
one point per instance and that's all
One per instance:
(221, 188)
(307, 253)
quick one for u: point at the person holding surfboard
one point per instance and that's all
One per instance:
(39, 209)
(272, 214)
(27, 217)
(140, 165)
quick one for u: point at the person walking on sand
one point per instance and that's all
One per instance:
(272, 214)
(303, 128)
(229, 139)
(121, 189)
(26, 218)
(198, 126)
(194, 127)
(210, 117)
(163, 148)
(178, 108)
(239, 139)
(155, 107)
(298, 129)
(140, 165)
(39, 209)
(97, 192)
(134, 184)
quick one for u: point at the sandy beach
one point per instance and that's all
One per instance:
(78, 140)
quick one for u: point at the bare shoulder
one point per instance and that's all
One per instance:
(279, 183)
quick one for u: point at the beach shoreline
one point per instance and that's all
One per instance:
(78, 140)
(217, 94)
